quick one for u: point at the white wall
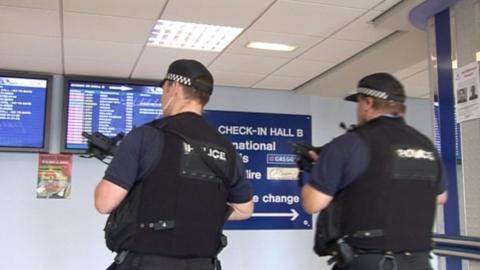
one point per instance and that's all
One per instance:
(67, 234)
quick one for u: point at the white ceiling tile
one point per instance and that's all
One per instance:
(304, 18)
(39, 22)
(43, 4)
(363, 30)
(90, 67)
(154, 61)
(364, 4)
(334, 50)
(236, 79)
(146, 9)
(302, 42)
(106, 28)
(31, 63)
(386, 4)
(29, 45)
(242, 63)
(303, 68)
(107, 51)
(239, 13)
(280, 82)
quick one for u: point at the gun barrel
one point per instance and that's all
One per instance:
(86, 134)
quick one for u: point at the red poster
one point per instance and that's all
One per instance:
(54, 176)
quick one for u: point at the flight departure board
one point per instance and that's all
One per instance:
(24, 112)
(109, 107)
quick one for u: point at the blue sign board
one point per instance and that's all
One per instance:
(264, 142)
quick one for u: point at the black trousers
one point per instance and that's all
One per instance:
(149, 262)
(398, 261)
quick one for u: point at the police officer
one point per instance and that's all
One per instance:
(190, 176)
(378, 185)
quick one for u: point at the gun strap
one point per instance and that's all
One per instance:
(120, 258)
(197, 148)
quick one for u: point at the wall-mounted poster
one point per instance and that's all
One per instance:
(54, 176)
(466, 81)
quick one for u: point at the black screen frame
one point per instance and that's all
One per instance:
(92, 79)
(47, 112)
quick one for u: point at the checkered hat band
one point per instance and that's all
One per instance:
(372, 92)
(179, 78)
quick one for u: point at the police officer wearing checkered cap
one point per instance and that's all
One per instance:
(377, 186)
(189, 177)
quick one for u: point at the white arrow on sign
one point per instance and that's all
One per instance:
(294, 214)
(121, 88)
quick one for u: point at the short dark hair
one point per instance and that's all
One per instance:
(191, 93)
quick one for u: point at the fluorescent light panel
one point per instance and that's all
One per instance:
(192, 36)
(271, 46)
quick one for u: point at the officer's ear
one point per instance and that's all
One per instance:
(176, 88)
(369, 102)
(366, 102)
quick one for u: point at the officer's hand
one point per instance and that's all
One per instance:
(313, 155)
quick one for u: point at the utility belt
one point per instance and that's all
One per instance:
(341, 252)
(328, 237)
(159, 259)
(329, 240)
(148, 261)
(387, 252)
(393, 259)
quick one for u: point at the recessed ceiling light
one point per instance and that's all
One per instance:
(271, 46)
(192, 36)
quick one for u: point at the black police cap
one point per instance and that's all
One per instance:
(191, 73)
(379, 85)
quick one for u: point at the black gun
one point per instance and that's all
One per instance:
(349, 128)
(101, 146)
(304, 160)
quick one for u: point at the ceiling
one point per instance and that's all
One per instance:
(339, 41)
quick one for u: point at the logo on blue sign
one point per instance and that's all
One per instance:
(280, 159)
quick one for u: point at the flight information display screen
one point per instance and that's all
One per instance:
(23, 113)
(107, 107)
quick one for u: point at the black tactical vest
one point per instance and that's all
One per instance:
(183, 202)
(397, 192)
